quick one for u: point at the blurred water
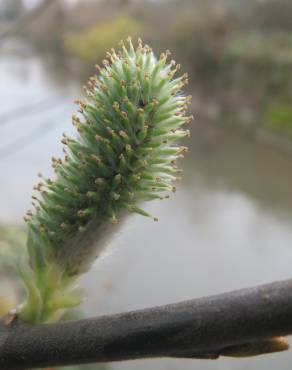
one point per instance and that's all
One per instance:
(228, 226)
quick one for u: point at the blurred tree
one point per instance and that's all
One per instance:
(45, 29)
(11, 9)
(91, 45)
(271, 15)
(209, 29)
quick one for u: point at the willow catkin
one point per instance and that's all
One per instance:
(125, 152)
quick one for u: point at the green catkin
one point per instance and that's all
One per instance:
(125, 152)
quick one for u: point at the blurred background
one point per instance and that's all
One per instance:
(229, 225)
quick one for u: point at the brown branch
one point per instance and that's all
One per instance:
(237, 323)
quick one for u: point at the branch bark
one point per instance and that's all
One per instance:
(206, 327)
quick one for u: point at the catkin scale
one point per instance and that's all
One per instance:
(125, 152)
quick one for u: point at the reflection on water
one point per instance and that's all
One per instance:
(228, 226)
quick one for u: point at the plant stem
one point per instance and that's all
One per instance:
(199, 328)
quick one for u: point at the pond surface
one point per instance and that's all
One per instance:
(228, 226)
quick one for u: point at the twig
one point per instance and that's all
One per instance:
(205, 327)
